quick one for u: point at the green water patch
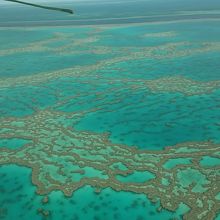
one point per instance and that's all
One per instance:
(202, 67)
(210, 161)
(13, 143)
(145, 34)
(151, 35)
(189, 176)
(14, 38)
(218, 196)
(147, 68)
(155, 120)
(33, 64)
(171, 163)
(186, 150)
(21, 101)
(198, 30)
(91, 172)
(18, 124)
(132, 37)
(19, 201)
(73, 31)
(119, 166)
(103, 206)
(218, 217)
(195, 66)
(59, 44)
(136, 177)
(165, 182)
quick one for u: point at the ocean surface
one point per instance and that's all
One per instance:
(112, 113)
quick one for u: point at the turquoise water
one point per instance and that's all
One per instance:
(137, 177)
(104, 75)
(210, 161)
(190, 176)
(16, 186)
(174, 162)
(13, 143)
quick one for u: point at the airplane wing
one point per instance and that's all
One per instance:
(44, 7)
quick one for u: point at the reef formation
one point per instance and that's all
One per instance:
(39, 118)
(65, 159)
